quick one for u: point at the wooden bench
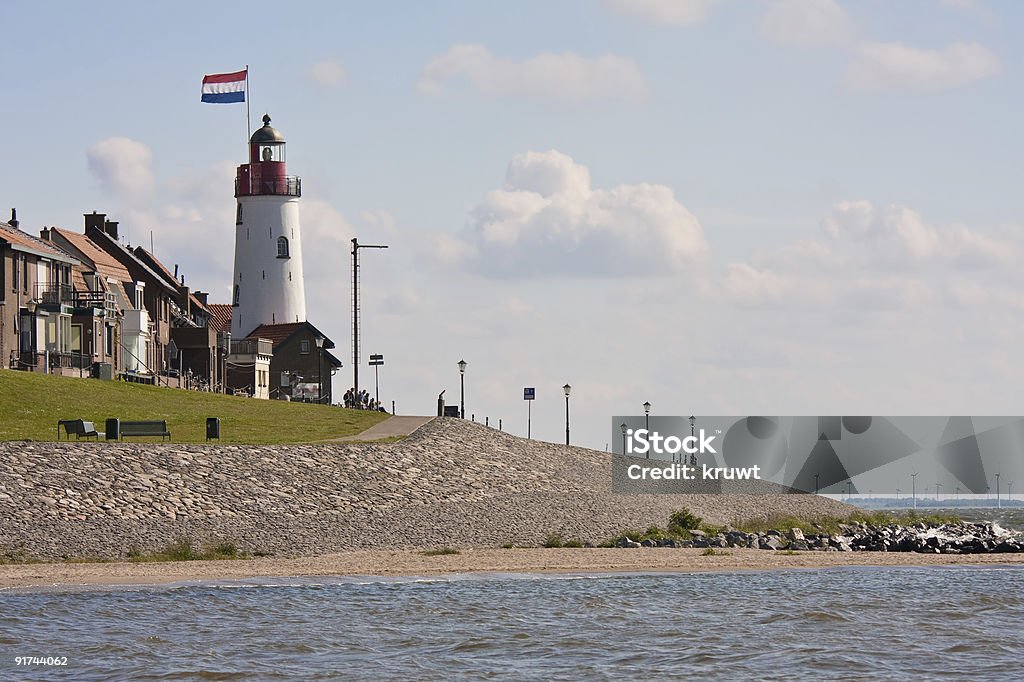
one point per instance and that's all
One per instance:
(145, 428)
(78, 428)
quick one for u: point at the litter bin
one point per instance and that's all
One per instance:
(113, 429)
(212, 428)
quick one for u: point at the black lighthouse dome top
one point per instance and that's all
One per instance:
(266, 134)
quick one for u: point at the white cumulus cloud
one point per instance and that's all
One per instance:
(895, 65)
(806, 22)
(674, 12)
(564, 76)
(548, 220)
(122, 166)
(329, 74)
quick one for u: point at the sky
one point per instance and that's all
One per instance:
(722, 207)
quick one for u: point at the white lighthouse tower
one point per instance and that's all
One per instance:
(267, 285)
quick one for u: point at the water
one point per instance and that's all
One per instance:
(852, 623)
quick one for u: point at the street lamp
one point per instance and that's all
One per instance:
(623, 427)
(320, 368)
(567, 388)
(462, 388)
(647, 416)
(693, 455)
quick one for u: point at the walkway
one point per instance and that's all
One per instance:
(392, 427)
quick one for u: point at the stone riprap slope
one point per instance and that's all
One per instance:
(450, 483)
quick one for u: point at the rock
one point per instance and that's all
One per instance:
(771, 542)
(796, 534)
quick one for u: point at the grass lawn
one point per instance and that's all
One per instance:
(31, 404)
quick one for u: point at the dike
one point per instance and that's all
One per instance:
(450, 483)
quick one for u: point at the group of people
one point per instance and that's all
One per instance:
(361, 400)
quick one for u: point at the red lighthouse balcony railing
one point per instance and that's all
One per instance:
(282, 185)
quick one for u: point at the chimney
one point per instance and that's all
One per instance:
(175, 271)
(202, 297)
(14, 218)
(44, 234)
(110, 227)
(186, 302)
(94, 221)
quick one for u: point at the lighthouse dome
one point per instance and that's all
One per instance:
(266, 134)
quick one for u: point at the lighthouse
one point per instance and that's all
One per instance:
(267, 287)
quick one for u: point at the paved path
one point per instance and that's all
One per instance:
(389, 428)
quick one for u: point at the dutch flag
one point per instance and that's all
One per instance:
(224, 88)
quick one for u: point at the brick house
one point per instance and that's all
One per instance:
(301, 362)
(36, 302)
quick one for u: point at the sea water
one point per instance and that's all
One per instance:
(956, 623)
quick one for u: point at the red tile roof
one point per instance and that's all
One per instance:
(105, 264)
(15, 236)
(221, 316)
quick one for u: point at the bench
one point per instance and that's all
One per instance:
(145, 428)
(78, 428)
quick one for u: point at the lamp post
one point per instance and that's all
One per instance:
(462, 388)
(693, 455)
(567, 388)
(647, 416)
(937, 486)
(623, 427)
(320, 369)
(913, 483)
(999, 502)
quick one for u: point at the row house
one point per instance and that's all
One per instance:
(36, 301)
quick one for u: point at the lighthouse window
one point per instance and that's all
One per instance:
(282, 247)
(238, 219)
(236, 294)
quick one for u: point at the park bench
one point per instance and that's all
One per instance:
(77, 428)
(145, 428)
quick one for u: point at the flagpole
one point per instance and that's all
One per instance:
(248, 118)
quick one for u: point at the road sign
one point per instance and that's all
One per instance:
(529, 393)
(376, 360)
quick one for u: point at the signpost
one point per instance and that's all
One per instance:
(375, 362)
(528, 395)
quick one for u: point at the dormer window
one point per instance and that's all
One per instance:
(282, 247)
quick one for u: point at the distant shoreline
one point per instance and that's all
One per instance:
(412, 563)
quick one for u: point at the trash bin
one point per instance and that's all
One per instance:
(113, 429)
(212, 428)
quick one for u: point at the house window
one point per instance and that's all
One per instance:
(238, 218)
(282, 247)
(304, 346)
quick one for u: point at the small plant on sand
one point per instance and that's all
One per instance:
(183, 549)
(440, 551)
(554, 540)
(682, 521)
(574, 543)
(711, 551)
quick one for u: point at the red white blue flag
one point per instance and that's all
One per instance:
(224, 88)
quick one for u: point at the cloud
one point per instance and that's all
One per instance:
(895, 65)
(899, 235)
(548, 221)
(806, 22)
(328, 74)
(122, 166)
(564, 76)
(673, 12)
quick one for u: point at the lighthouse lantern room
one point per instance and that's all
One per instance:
(268, 284)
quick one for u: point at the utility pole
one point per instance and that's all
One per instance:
(355, 307)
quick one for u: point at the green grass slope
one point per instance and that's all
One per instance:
(31, 405)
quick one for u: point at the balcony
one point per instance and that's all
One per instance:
(252, 347)
(286, 185)
(95, 299)
(54, 294)
(136, 322)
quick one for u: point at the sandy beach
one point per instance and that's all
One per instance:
(415, 563)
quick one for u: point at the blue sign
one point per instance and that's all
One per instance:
(528, 393)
